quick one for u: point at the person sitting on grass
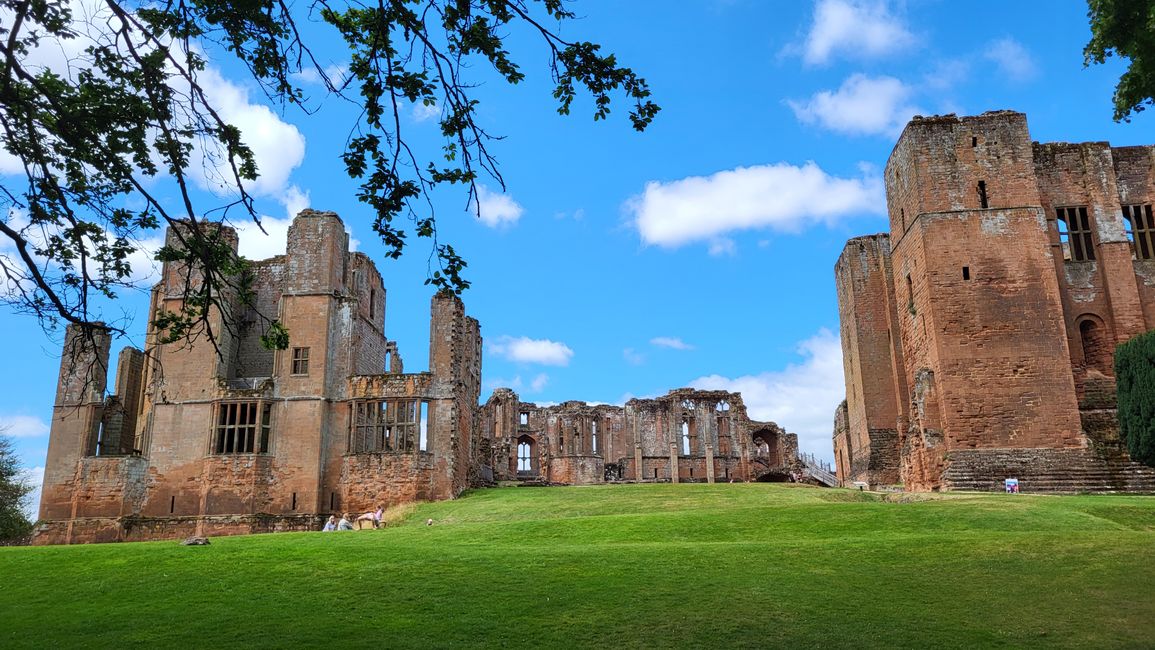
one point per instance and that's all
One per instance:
(345, 524)
(374, 517)
(330, 525)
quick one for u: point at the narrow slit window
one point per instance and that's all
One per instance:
(1074, 225)
(594, 437)
(909, 295)
(424, 444)
(983, 202)
(372, 303)
(685, 438)
(1141, 230)
(966, 272)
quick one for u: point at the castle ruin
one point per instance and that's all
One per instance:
(236, 438)
(978, 335)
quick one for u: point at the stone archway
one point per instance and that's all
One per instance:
(765, 447)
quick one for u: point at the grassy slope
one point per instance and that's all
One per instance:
(624, 566)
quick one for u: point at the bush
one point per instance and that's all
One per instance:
(14, 526)
(1135, 380)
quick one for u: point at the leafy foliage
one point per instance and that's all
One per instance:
(1135, 382)
(128, 107)
(1125, 28)
(14, 526)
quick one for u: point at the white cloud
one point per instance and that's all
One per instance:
(278, 147)
(538, 383)
(801, 398)
(334, 73)
(780, 196)
(23, 426)
(295, 200)
(947, 74)
(633, 357)
(496, 210)
(514, 384)
(423, 112)
(523, 349)
(854, 28)
(861, 106)
(145, 269)
(671, 342)
(35, 478)
(257, 245)
(1012, 59)
(723, 247)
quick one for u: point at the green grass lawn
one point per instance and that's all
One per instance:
(636, 566)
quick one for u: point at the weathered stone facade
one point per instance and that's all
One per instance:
(686, 435)
(196, 442)
(978, 335)
(237, 438)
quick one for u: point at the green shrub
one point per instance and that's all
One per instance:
(1135, 380)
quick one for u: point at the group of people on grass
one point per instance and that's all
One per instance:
(346, 524)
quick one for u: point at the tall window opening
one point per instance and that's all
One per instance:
(1140, 230)
(525, 455)
(300, 361)
(388, 425)
(243, 428)
(983, 202)
(372, 303)
(685, 438)
(1075, 232)
(594, 436)
(424, 422)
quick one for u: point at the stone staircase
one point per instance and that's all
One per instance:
(1094, 469)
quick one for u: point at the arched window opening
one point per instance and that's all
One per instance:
(685, 438)
(1097, 352)
(525, 455)
(594, 437)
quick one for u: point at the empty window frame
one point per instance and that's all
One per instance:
(524, 457)
(243, 428)
(523, 419)
(386, 425)
(1141, 230)
(594, 436)
(300, 365)
(1075, 231)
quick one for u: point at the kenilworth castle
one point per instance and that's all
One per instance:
(977, 339)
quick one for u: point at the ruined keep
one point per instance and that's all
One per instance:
(685, 435)
(236, 438)
(251, 439)
(978, 335)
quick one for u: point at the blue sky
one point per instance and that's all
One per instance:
(700, 252)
